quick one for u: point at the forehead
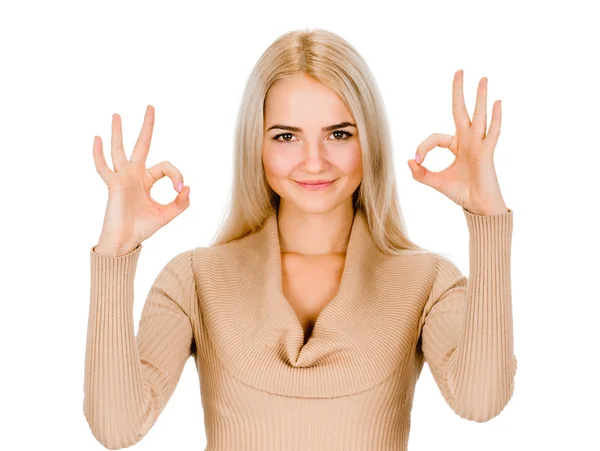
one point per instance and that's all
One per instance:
(301, 100)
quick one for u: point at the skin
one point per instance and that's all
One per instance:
(311, 222)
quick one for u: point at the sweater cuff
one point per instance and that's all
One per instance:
(113, 276)
(490, 236)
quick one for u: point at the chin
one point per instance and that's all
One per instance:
(308, 202)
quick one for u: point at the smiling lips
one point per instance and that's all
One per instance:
(315, 185)
(315, 182)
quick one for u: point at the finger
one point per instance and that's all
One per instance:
(176, 207)
(117, 151)
(424, 175)
(142, 145)
(99, 160)
(433, 141)
(494, 131)
(459, 109)
(479, 124)
(165, 168)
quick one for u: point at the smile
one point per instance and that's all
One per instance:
(315, 186)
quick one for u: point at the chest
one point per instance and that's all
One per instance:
(309, 283)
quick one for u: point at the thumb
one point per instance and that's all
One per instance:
(179, 205)
(425, 176)
(419, 172)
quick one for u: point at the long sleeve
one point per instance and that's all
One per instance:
(128, 380)
(467, 336)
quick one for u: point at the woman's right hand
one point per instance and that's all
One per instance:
(131, 214)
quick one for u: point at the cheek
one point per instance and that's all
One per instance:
(278, 163)
(348, 161)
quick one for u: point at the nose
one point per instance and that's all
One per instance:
(315, 156)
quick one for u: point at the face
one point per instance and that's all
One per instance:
(304, 142)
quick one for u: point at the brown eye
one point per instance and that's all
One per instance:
(276, 137)
(348, 135)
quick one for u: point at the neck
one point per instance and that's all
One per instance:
(308, 233)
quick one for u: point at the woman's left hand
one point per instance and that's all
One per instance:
(470, 181)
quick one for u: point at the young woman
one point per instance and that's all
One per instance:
(311, 315)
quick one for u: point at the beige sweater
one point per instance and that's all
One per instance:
(350, 387)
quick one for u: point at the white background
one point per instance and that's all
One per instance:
(66, 67)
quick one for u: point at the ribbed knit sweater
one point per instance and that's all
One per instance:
(350, 387)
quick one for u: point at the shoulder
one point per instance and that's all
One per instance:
(413, 264)
(433, 271)
(446, 269)
(448, 276)
(215, 261)
(179, 264)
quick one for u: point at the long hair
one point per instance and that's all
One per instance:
(330, 60)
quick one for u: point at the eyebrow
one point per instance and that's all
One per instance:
(325, 129)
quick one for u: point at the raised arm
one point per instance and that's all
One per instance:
(467, 336)
(128, 380)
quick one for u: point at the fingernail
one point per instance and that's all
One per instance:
(179, 187)
(417, 158)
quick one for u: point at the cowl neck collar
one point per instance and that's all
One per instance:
(300, 354)
(260, 340)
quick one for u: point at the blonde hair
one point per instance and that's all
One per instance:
(329, 59)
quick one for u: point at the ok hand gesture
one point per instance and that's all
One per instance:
(132, 215)
(470, 181)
